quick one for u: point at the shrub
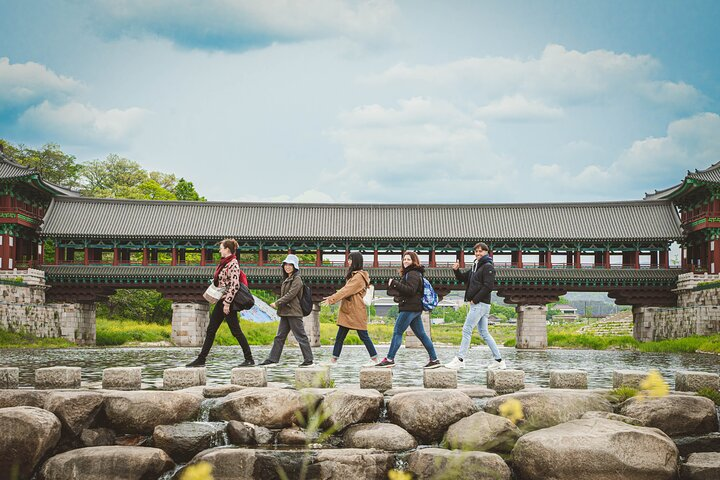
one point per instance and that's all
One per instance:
(710, 393)
(621, 394)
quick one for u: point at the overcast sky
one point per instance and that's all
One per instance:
(373, 101)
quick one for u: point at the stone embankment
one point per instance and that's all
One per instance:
(250, 429)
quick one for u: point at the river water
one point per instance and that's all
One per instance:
(408, 372)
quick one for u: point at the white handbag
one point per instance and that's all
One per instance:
(369, 295)
(213, 294)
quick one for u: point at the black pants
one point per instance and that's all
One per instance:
(286, 325)
(216, 319)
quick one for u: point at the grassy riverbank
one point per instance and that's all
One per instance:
(131, 332)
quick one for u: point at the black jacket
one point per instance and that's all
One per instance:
(480, 283)
(408, 290)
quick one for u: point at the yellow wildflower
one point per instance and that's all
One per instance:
(398, 475)
(512, 410)
(199, 471)
(654, 385)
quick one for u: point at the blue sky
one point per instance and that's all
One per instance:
(373, 101)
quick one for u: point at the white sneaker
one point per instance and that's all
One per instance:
(495, 365)
(456, 364)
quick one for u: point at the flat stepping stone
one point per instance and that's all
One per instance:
(122, 378)
(379, 379)
(57, 377)
(505, 381)
(687, 381)
(439, 378)
(249, 376)
(568, 379)
(183, 377)
(9, 378)
(307, 377)
(628, 378)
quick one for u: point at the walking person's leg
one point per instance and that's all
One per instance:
(278, 342)
(418, 329)
(339, 340)
(401, 324)
(363, 334)
(485, 334)
(234, 324)
(216, 319)
(298, 329)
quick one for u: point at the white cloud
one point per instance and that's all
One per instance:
(559, 76)
(422, 150)
(79, 122)
(691, 143)
(244, 24)
(519, 108)
(25, 84)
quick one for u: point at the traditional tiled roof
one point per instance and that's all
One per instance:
(143, 219)
(10, 170)
(710, 175)
(268, 274)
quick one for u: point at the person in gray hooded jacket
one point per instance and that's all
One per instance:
(290, 312)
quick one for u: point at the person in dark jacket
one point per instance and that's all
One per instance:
(479, 284)
(408, 291)
(229, 276)
(290, 312)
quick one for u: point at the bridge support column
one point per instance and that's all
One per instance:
(411, 341)
(531, 330)
(644, 323)
(189, 323)
(311, 324)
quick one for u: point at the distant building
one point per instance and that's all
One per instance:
(568, 313)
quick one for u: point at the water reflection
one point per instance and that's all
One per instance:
(408, 372)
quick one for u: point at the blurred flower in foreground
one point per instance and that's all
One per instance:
(199, 471)
(512, 410)
(398, 475)
(654, 385)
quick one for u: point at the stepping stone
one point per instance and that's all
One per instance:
(183, 377)
(317, 377)
(439, 378)
(57, 377)
(687, 381)
(379, 379)
(122, 378)
(9, 378)
(628, 378)
(249, 376)
(568, 379)
(506, 381)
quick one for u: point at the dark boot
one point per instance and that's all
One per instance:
(198, 362)
(247, 363)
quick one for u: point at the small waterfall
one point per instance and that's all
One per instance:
(205, 407)
(171, 473)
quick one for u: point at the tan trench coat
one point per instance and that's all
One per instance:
(353, 313)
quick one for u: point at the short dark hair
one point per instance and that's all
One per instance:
(482, 246)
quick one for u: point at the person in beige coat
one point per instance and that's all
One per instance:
(353, 313)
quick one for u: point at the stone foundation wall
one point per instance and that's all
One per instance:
(697, 313)
(23, 309)
(189, 323)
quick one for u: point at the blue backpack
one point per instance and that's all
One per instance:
(429, 297)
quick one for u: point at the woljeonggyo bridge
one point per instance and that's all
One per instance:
(541, 251)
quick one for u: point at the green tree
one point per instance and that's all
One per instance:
(185, 190)
(393, 312)
(53, 164)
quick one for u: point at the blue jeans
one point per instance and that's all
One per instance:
(414, 321)
(363, 334)
(478, 315)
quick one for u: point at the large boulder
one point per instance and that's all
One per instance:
(141, 412)
(431, 463)
(676, 415)
(244, 433)
(346, 463)
(382, 436)
(595, 449)
(346, 407)
(709, 442)
(545, 408)
(23, 398)
(484, 432)
(267, 407)
(701, 466)
(614, 416)
(75, 409)
(428, 414)
(102, 463)
(227, 463)
(185, 440)
(26, 435)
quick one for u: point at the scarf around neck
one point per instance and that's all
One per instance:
(221, 265)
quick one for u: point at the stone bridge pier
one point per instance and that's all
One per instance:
(189, 323)
(531, 307)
